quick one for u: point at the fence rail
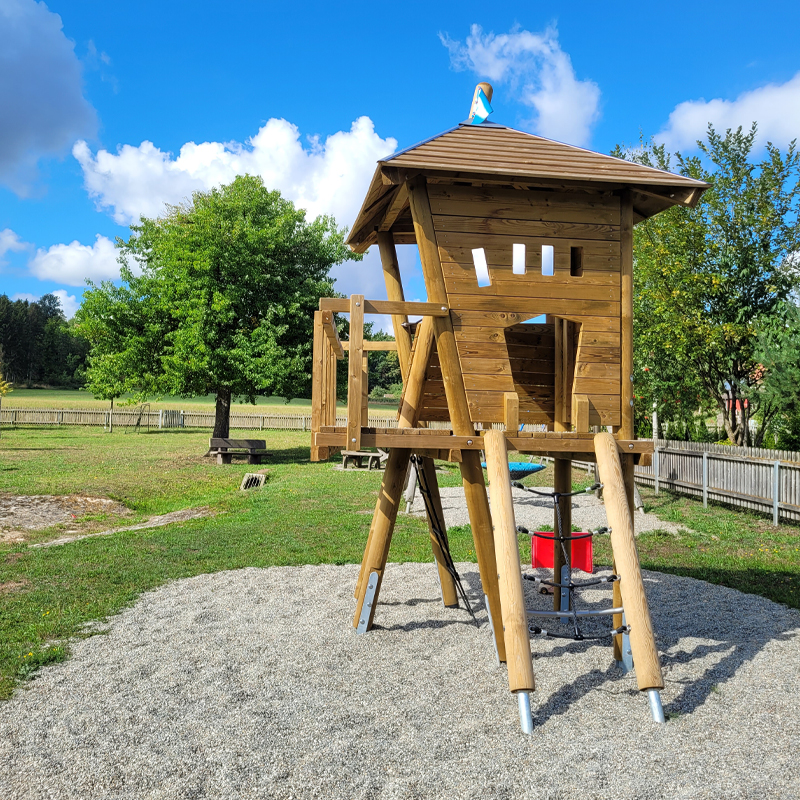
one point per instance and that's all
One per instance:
(747, 477)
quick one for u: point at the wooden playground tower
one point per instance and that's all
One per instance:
(511, 228)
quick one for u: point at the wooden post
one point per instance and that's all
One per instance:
(389, 498)
(471, 470)
(511, 411)
(394, 292)
(355, 372)
(449, 595)
(512, 596)
(383, 519)
(317, 383)
(637, 613)
(580, 412)
(626, 330)
(365, 389)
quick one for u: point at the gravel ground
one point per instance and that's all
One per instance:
(533, 511)
(252, 684)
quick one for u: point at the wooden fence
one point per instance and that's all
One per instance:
(747, 477)
(167, 418)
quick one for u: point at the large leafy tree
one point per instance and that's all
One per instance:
(217, 296)
(708, 279)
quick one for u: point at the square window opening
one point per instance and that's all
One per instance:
(576, 262)
(547, 259)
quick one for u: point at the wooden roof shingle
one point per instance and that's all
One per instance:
(492, 153)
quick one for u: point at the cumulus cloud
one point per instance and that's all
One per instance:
(69, 303)
(329, 177)
(42, 106)
(73, 263)
(775, 107)
(540, 72)
(324, 177)
(10, 243)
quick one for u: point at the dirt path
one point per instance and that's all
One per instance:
(153, 522)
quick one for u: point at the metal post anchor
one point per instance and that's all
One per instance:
(369, 599)
(626, 665)
(491, 625)
(525, 717)
(656, 709)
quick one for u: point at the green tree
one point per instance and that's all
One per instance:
(778, 351)
(217, 296)
(708, 279)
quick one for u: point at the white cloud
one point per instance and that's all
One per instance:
(74, 263)
(775, 107)
(69, 303)
(10, 243)
(540, 72)
(324, 177)
(42, 105)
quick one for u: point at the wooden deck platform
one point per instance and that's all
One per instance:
(443, 445)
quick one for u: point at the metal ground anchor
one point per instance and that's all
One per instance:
(656, 709)
(369, 599)
(525, 717)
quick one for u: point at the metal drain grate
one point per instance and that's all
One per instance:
(252, 480)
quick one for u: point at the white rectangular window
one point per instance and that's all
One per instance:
(481, 267)
(547, 259)
(519, 259)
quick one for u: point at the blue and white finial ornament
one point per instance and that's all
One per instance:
(481, 107)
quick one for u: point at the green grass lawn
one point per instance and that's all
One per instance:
(77, 398)
(306, 514)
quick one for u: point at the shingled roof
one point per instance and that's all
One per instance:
(496, 154)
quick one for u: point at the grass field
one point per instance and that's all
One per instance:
(77, 398)
(306, 514)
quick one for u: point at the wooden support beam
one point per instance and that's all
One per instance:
(626, 330)
(329, 327)
(342, 306)
(512, 596)
(365, 390)
(397, 205)
(371, 347)
(580, 412)
(471, 471)
(355, 372)
(394, 292)
(511, 411)
(626, 560)
(317, 383)
(383, 521)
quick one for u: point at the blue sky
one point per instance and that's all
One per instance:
(110, 109)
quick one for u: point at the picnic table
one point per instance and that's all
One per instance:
(226, 449)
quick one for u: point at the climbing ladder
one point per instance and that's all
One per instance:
(632, 602)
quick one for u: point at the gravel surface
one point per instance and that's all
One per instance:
(533, 511)
(252, 684)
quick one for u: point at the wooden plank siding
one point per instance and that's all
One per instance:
(498, 352)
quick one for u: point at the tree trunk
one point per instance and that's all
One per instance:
(111, 417)
(222, 419)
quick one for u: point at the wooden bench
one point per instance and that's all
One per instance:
(225, 449)
(357, 458)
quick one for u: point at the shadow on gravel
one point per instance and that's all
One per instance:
(705, 621)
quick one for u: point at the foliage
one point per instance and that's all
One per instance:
(217, 296)
(38, 345)
(708, 279)
(778, 351)
(5, 386)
